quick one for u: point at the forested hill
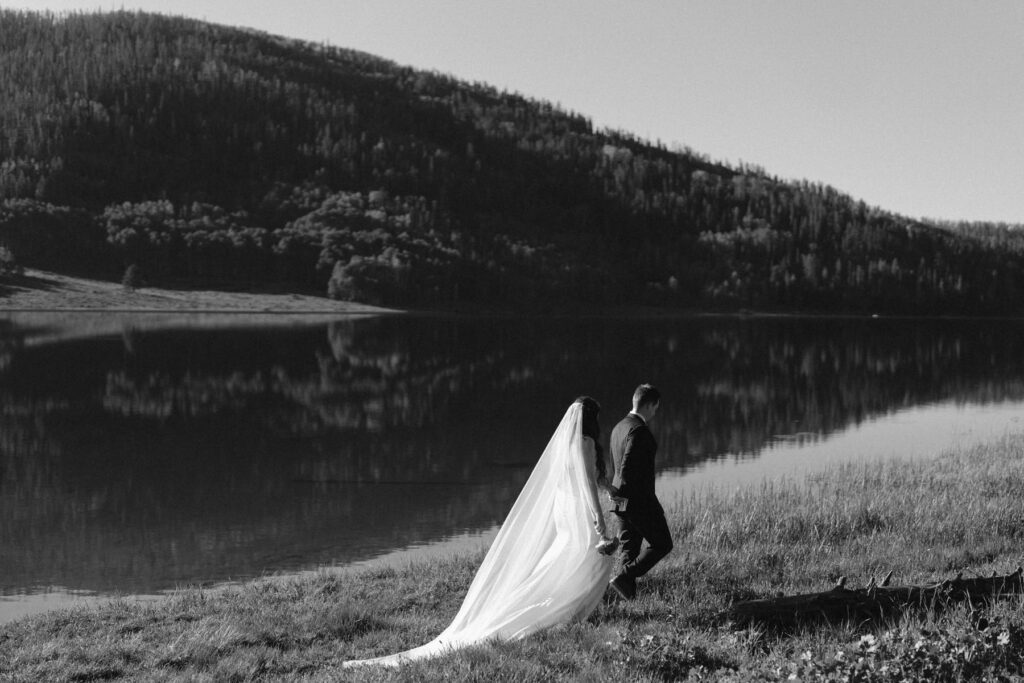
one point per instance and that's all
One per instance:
(216, 156)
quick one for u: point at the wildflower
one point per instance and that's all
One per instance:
(840, 655)
(792, 677)
(807, 656)
(1003, 638)
(868, 643)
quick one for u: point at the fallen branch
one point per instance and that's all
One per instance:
(874, 601)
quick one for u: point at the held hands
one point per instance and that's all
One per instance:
(614, 497)
(607, 546)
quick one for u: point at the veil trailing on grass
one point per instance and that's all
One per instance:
(543, 568)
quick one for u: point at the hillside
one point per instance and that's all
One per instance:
(38, 290)
(219, 157)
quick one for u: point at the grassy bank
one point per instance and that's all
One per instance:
(926, 520)
(40, 290)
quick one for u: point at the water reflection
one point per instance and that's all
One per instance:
(141, 458)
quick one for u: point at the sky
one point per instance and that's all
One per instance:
(914, 106)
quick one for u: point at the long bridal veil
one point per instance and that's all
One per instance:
(542, 568)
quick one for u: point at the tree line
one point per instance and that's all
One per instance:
(213, 155)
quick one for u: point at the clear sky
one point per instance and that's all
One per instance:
(916, 106)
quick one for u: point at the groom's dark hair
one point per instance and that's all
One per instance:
(645, 395)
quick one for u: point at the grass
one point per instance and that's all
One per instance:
(926, 520)
(39, 290)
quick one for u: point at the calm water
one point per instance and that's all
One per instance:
(145, 453)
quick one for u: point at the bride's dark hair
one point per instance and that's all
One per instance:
(592, 428)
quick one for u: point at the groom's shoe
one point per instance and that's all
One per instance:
(625, 586)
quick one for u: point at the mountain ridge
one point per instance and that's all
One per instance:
(204, 153)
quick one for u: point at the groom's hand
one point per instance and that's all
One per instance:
(613, 494)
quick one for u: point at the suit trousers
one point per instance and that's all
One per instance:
(639, 525)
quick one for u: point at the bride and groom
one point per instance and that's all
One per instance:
(551, 561)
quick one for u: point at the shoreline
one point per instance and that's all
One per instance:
(41, 291)
(50, 307)
(47, 292)
(926, 520)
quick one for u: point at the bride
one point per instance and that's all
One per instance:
(548, 564)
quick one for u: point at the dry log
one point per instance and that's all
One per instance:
(874, 601)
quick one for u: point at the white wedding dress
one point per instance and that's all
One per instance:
(543, 568)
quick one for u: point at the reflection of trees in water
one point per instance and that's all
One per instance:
(156, 471)
(28, 467)
(11, 339)
(381, 390)
(210, 453)
(160, 396)
(400, 399)
(761, 379)
(392, 381)
(145, 506)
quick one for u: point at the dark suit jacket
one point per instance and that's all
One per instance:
(633, 448)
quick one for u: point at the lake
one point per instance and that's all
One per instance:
(139, 453)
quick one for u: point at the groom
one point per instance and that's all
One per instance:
(641, 517)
